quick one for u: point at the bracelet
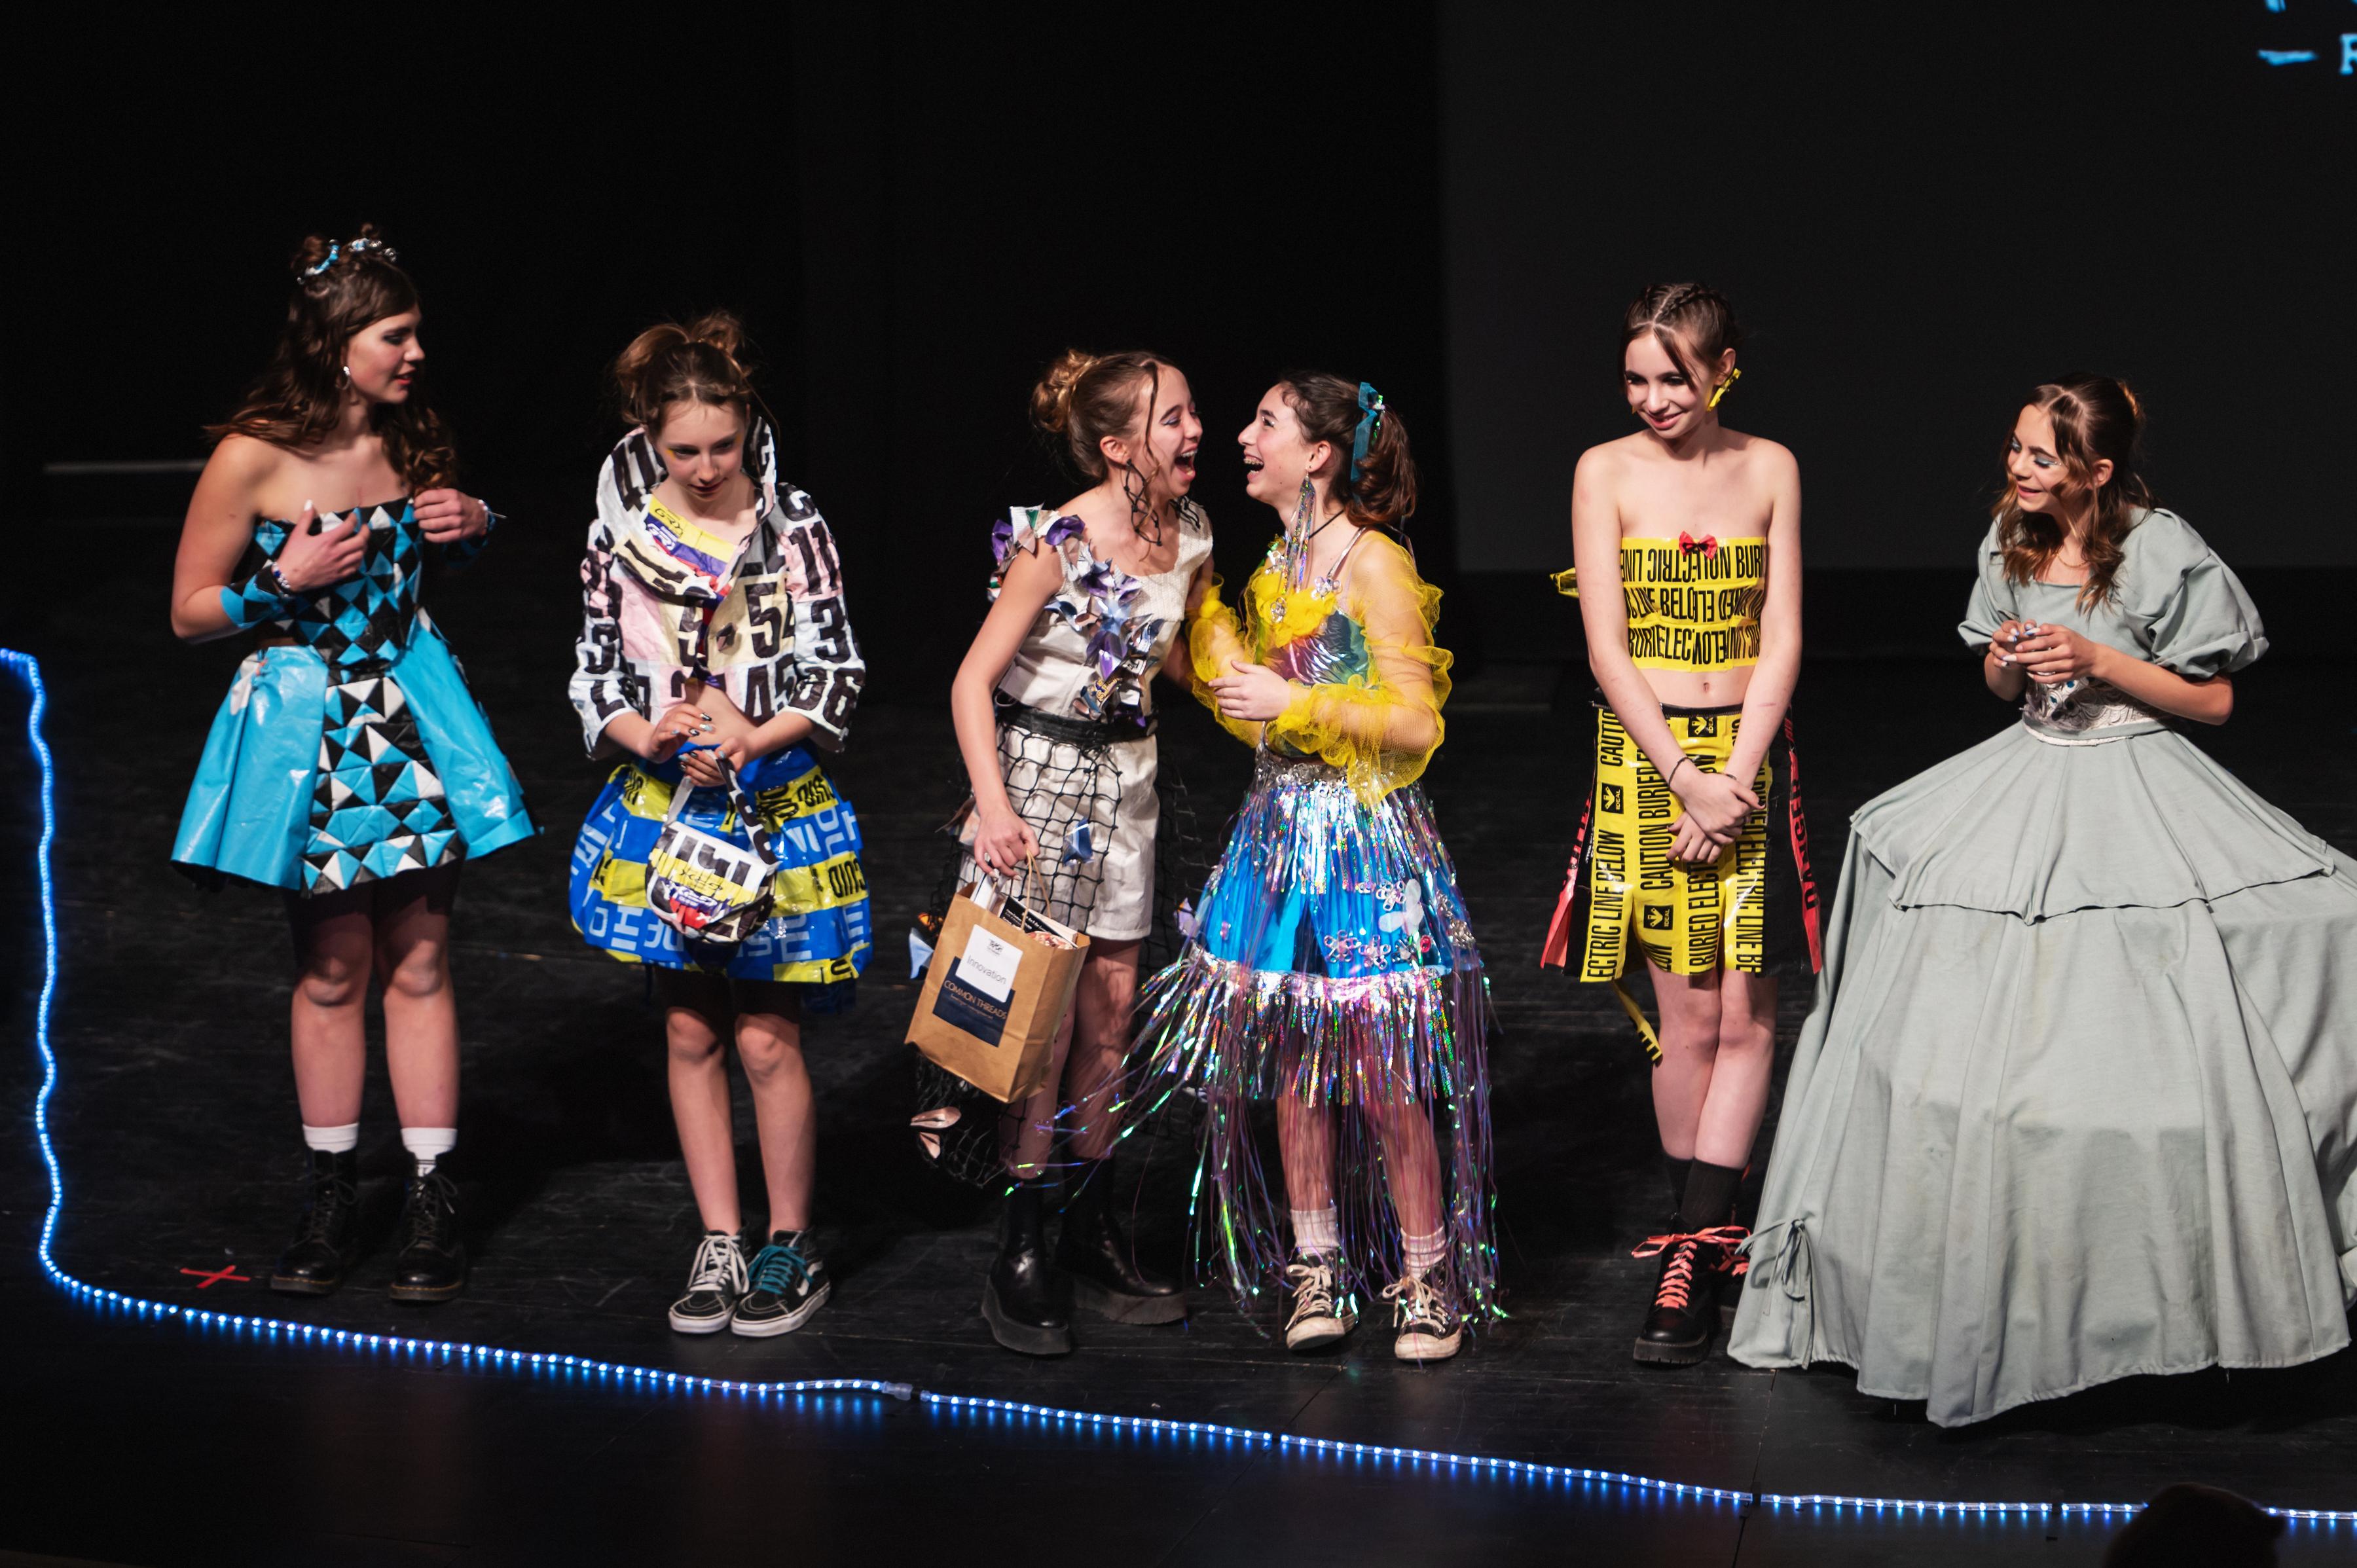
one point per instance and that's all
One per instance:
(285, 589)
(265, 597)
(1672, 773)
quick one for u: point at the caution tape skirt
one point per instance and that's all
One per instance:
(1753, 907)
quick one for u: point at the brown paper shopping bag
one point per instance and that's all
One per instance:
(999, 987)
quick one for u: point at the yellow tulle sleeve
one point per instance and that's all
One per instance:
(1380, 728)
(1213, 637)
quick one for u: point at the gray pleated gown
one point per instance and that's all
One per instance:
(2078, 1098)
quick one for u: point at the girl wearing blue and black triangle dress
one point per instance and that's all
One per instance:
(349, 766)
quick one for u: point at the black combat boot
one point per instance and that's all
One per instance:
(1685, 1309)
(1103, 1266)
(326, 1239)
(1023, 1299)
(433, 1262)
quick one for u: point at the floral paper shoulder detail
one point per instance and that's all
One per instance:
(1097, 601)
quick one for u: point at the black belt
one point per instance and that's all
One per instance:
(1073, 731)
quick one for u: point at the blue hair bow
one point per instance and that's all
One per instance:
(1371, 420)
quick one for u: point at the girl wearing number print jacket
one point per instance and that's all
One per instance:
(713, 625)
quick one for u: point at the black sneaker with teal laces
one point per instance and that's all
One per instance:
(789, 1284)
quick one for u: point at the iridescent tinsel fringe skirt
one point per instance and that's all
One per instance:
(1330, 962)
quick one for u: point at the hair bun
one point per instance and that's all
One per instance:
(1051, 400)
(722, 331)
(668, 363)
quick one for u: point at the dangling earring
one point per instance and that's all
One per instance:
(1294, 555)
(1296, 537)
(1725, 381)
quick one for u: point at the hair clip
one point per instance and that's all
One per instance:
(1371, 419)
(1725, 381)
(338, 248)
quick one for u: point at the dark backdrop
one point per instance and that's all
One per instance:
(916, 207)
(1920, 211)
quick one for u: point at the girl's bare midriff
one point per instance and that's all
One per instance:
(1697, 688)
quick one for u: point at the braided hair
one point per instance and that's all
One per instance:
(1694, 312)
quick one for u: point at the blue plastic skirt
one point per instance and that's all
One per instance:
(820, 935)
(254, 810)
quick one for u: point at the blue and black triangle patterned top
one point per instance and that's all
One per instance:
(366, 618)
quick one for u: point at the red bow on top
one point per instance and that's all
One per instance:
(1688, 544)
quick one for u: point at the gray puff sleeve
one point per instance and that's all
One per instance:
(2200, 620)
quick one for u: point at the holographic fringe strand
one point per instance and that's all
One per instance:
(1359, 1046)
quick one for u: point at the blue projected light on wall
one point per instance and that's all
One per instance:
(2340, 51)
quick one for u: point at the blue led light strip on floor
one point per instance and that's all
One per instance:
(449, 1352)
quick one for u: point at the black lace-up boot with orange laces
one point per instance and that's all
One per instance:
(1685, 1310)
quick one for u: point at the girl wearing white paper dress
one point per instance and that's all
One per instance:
(1055, 719)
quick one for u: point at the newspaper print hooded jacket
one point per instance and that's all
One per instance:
(766, 627)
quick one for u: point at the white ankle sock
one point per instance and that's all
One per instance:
(340, 1140)
(428, 1144)
(1317, 1231)
(1425, 1252)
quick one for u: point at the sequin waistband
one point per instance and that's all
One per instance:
(2088, 714)
(1274, 768)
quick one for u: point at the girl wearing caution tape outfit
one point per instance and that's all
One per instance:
(1054, 711)
(1332, 968)
(715, 653)
(1682, 849)
(349, 766)
(2077, 1099)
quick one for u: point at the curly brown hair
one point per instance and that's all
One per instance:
(299, 396)
(2095, 417)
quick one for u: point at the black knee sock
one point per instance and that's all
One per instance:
(1709, 1198)
(1674, 1170)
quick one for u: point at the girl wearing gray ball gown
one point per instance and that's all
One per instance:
(2078, 1098)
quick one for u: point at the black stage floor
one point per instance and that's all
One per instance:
(174, 1126)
